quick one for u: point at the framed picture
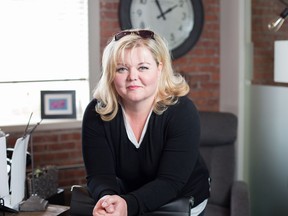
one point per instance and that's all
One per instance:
(58, 104)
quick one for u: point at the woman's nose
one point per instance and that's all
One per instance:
(133, 74)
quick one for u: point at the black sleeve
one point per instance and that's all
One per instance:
(97, 155)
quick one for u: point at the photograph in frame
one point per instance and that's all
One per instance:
(58, 104)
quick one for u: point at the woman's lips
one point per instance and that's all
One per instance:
(134, 87)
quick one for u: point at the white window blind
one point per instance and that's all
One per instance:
(43, 46)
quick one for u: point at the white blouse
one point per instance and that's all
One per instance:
(130, 132)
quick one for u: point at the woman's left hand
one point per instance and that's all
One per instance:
(113, 205)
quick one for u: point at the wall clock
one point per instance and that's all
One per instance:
(179, 21)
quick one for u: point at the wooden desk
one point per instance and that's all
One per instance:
(52, 210)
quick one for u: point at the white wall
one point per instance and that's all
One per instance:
(269, 150)
(235, 70)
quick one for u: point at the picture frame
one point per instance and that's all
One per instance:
(58, 104)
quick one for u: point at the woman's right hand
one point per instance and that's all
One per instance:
(110, 205)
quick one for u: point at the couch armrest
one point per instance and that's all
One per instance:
(240, 199)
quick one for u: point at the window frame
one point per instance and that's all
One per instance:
(94, 73)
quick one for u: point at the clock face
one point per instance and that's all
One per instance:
(173, 20)
(180, 22)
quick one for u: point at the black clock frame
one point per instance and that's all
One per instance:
(194, 35)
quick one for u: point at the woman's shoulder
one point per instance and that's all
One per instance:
(91, 105)
(184, 102)
(183, 108)
(185, 99)
(90, 108)
(181, 115)
(91, 112)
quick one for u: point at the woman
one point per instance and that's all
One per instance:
(141, 132)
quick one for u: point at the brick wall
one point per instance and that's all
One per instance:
(200, 67)
(263, 11)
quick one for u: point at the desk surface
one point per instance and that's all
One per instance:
(52, 210)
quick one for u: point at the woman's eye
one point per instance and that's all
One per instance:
(121, 69)
(143, 68)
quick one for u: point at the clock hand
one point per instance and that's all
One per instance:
(160, 9)
(167, 11)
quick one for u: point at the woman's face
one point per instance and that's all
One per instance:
(137, 76)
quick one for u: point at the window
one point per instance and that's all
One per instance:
(44, 46)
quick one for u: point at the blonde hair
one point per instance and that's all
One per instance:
(171, 85)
